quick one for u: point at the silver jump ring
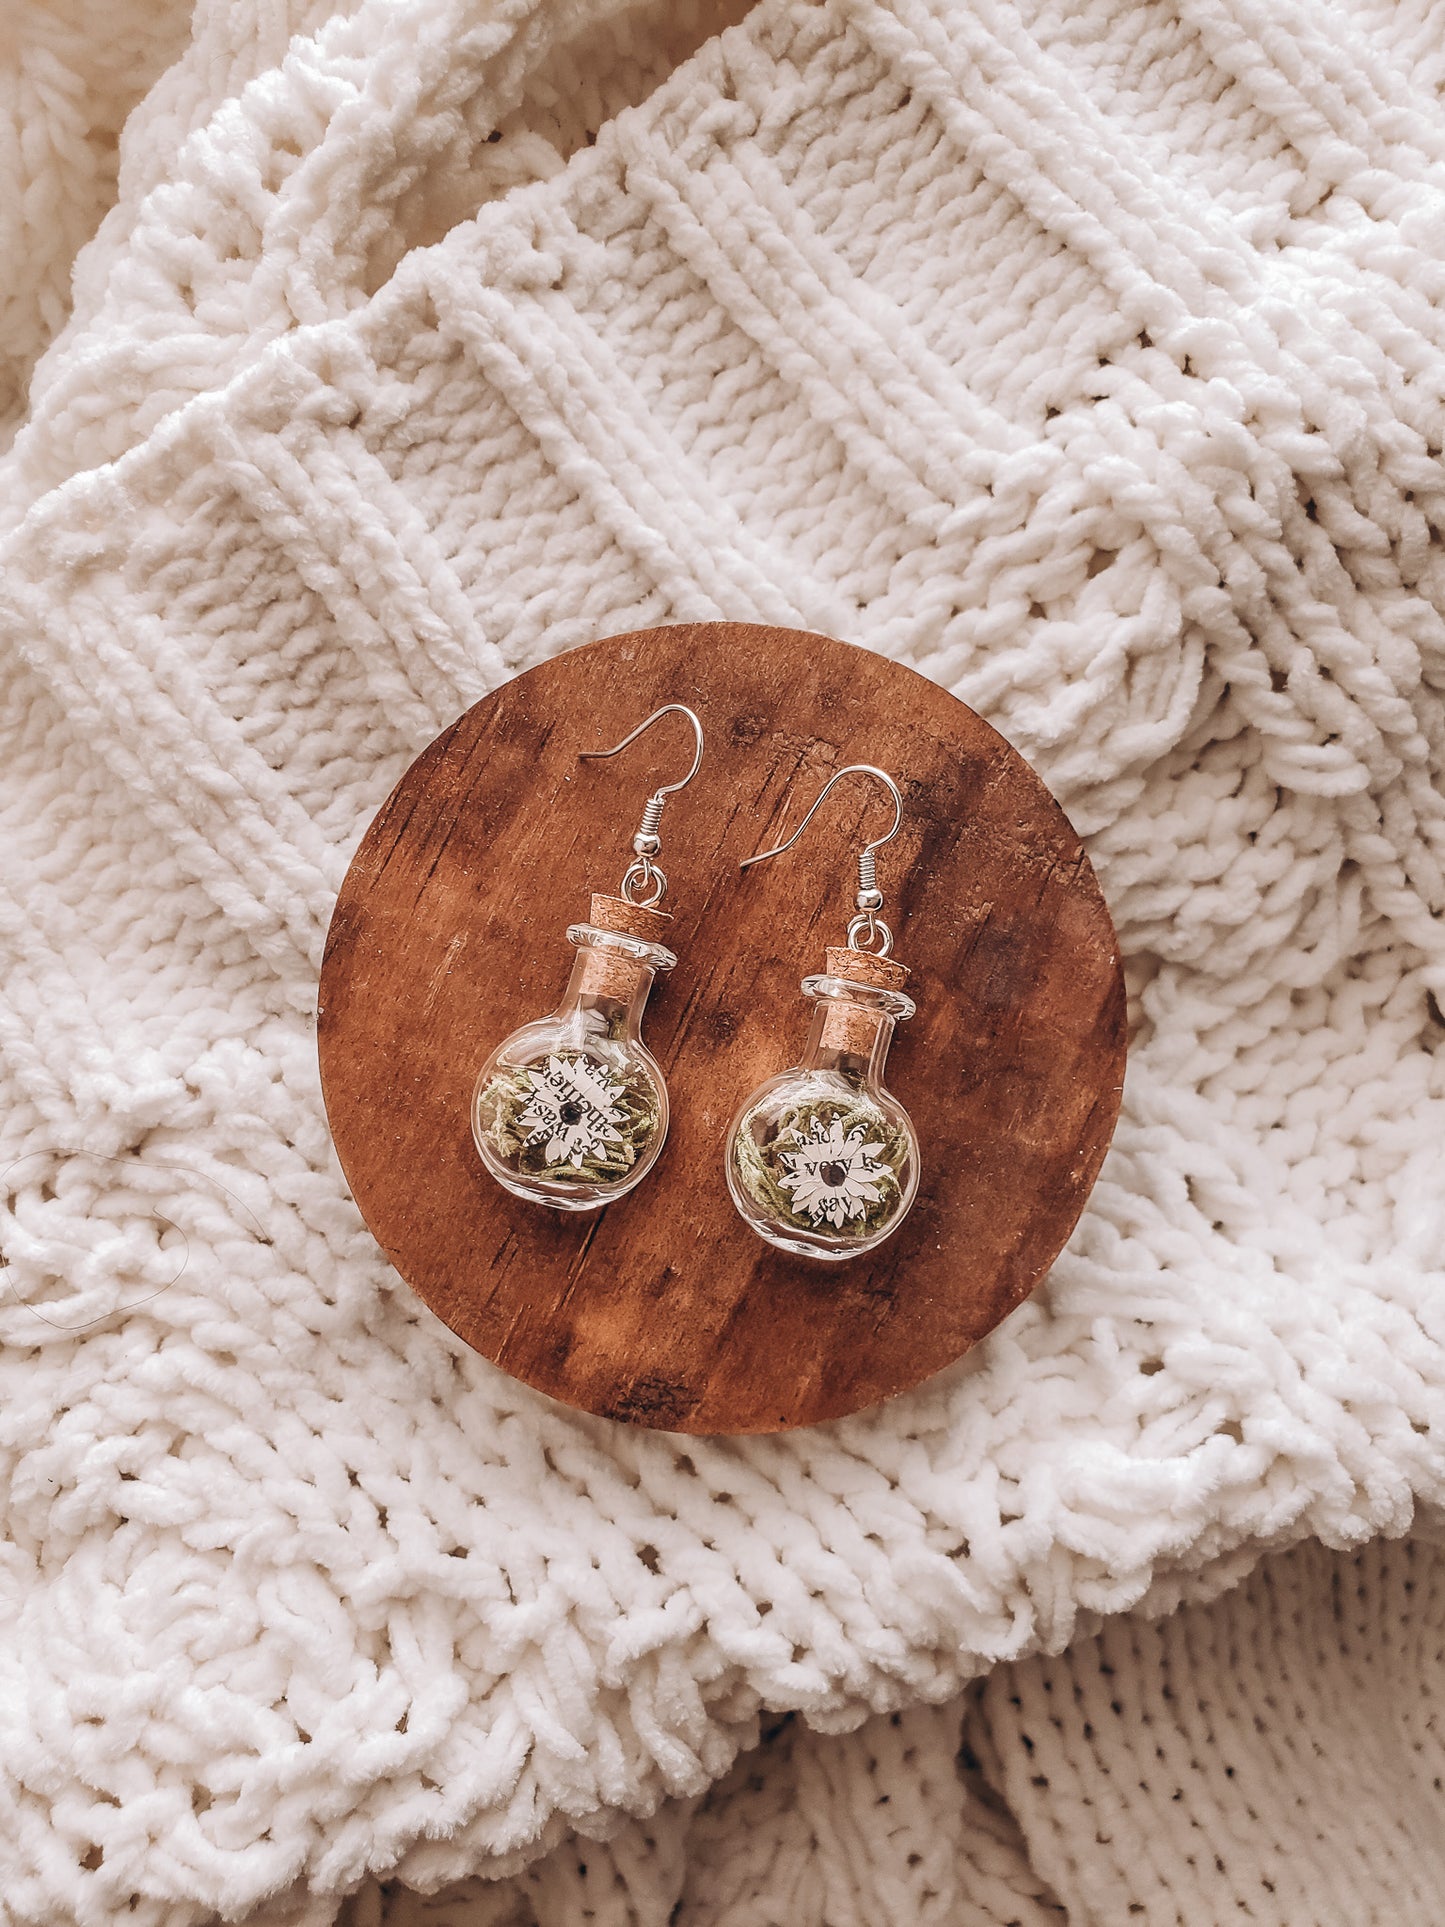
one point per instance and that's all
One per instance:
(641, 873)
(875, 929)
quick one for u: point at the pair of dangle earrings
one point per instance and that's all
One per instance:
(571, 1110)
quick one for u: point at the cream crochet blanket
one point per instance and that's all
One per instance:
(1091, 360)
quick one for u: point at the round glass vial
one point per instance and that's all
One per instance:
(822, 1160)
(571, 1110)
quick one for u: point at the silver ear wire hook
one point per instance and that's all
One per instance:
(870, 898)
(643, 873)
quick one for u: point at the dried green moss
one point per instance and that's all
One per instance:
(762, 1167)
(512, 1092)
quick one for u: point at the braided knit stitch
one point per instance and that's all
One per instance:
(64, 94)
(1089, 360)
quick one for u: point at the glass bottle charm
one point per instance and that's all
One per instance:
(823, 1159)
(571, 1110)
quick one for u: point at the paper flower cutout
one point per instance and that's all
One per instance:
(833, 1177)
(572, 1104)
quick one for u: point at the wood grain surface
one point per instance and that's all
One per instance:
(664, 1309)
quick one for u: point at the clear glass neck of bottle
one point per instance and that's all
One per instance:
(852, 1027)
(611, 977)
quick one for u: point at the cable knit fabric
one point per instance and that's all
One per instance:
(65, 92)
(1276, 1757)
(1089, 360)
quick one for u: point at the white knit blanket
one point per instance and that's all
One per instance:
(1092, 360)
(1273, 1756)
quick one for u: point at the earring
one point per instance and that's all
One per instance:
(571, 1110)
(822, 1160)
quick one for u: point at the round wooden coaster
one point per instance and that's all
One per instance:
(664, 1309)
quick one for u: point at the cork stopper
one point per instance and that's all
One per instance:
(853, 1027)
(629, 919)
(864, 967)
(607, 973)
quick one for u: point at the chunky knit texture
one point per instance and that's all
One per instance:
(65, 92)
(1090, 360)
(1276, 1757)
